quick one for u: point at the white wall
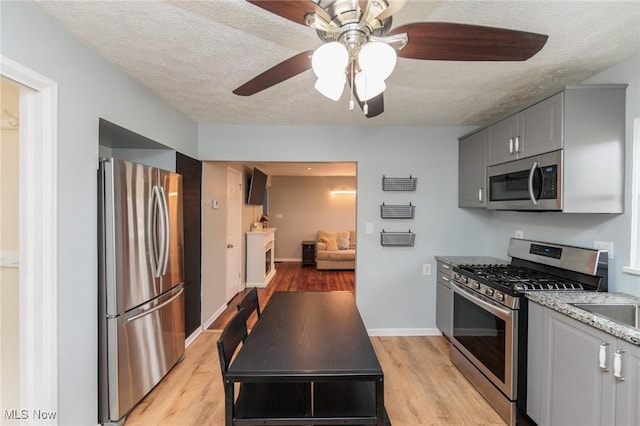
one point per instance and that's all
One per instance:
(584, 229)
(89, 87)
(392, 294)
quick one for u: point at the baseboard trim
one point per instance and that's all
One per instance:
(192, 337)
(404, 332)
(214, 317)
(288, 259)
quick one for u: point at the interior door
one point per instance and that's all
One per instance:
(234, 233)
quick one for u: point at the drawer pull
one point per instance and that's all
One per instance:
(617, 364)
(602, 356)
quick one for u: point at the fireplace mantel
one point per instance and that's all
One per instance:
(260, 257)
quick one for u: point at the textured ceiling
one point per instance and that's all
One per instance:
(194, 53)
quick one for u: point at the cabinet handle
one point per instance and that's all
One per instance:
(479, 195)
(517, 144)
(617, 364)
(511, 146)
(445, 279)
(602, 356)
(445, 266)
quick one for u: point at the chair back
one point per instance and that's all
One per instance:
(234, 333)
(250, 303)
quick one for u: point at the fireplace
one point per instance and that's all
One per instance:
(268, 258)
(260, 257)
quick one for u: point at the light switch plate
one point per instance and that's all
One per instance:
(519, 234)
(369, 228)
(426, 269)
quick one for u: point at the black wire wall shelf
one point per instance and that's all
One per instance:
(397, 239)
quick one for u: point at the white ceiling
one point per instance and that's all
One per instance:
(194, 53)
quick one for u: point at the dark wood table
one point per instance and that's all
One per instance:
(317, 338)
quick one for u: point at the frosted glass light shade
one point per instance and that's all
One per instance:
(329, 59)
(331, 86)
(377, 59)
(368, 86)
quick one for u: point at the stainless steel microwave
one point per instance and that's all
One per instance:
(533, 183)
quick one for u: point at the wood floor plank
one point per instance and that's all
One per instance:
(422, 386)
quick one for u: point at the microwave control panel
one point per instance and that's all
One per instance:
(549, 182)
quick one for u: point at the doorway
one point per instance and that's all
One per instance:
(37, 239)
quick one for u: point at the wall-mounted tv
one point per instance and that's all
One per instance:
(257, 188)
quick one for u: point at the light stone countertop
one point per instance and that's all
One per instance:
(559, 301)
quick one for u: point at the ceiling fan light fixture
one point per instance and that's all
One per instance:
(329, 59)
(377, 59)
(331, 86)
(368, 86)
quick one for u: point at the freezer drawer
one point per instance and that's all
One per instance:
(144, 344)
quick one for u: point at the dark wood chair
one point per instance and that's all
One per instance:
(250, 303)
(260, 400)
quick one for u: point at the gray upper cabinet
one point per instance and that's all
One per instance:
(571, 375)
(472, 170)
(534, 130)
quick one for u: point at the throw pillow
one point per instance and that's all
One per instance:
(331, 243)
(352, 239)
(342, 239)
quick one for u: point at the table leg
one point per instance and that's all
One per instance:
(380, 400)
(228, 402)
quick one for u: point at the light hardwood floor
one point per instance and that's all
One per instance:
(422, 387)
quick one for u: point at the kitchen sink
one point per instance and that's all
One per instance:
(625, 313)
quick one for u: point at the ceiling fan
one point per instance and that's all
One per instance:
(361, 48)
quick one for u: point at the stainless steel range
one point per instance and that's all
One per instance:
(489, 338)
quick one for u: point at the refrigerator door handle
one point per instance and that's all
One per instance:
(156, 237)
(166, 232)
(137, 314)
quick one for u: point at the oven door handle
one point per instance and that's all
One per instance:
(490, 307)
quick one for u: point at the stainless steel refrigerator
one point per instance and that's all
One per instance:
(141, 296)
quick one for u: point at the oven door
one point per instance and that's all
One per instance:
(485, 333)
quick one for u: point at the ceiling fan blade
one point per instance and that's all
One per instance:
(293, 10)
(463, 42)
(277, 74)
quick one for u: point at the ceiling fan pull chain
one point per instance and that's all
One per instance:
(365, 108)
(352, 103)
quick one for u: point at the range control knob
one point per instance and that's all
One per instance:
(489, 291)
(476, 285)
(499, 296)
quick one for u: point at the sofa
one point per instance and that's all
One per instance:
(336, 250)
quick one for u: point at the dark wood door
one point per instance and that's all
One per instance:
(191, 171)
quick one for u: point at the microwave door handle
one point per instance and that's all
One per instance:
(531, 174)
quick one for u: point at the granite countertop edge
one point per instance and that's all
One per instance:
(560, 302)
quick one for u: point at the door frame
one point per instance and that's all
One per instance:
(38, 237)
(239, 251)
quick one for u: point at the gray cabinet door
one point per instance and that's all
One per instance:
(444, 299)
(537, 349)
(628, 390)
(500, 144)
(540, 127)
(472, 171)
(578, 391)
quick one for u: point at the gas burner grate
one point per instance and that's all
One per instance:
(521, 278)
